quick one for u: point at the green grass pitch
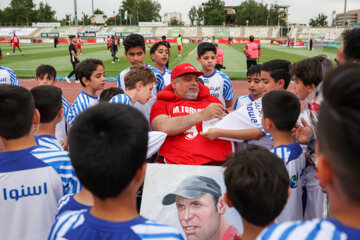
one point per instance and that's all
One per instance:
(36, 54)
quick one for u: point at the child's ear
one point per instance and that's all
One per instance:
(324, 171)
(85, 81)
(281, 84)
(268, 123)
(311, 88)
(140, 174)
(139, 85)
(60, 114)
(198, 59)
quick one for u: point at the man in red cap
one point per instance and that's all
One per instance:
(180, 110)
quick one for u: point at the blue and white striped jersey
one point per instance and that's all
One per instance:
(122, 98)
(166, 76)
(68, 203)
(316, 229)
(7, 76)
(61, 163)
(82, 225)
(220, 85)
(48, 141)
(61, 130)
(30, 191)
(242, 101)
(294, 160)
(82, 102)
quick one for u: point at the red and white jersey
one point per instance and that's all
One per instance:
(78, 41)
(15, 39)
(108, 41)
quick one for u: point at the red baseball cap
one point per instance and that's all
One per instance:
(184, 68)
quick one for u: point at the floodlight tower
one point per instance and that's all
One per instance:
(92, 6)
(75, 9)
(345, 13)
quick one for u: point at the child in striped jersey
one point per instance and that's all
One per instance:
(46, 75)
(280, 110)
(255, 86)
(135, 52)
(49, 104)
(308, 74)
(92, 77)
(337, 158)
(30, 188)
(116, 139)
(159, 53)
(139, 82)
(257, 185)
(107, 94)
(217, 81)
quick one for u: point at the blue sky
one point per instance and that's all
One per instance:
(300, 11)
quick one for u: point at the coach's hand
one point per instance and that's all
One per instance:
(213, 110)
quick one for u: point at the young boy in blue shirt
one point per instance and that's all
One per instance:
(92, 77)
(255, 87)
(30, 188)
(135, 52)
(111, 165)
(337, 157)
(280, 111)
(218, 82)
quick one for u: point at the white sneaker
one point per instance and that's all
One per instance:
(77, 81)
(67, 80)
(112, 62)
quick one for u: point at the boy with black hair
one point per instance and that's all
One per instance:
(46, 75)
(280, 111)
(275, 75)
(217, 81)
(159, 53)
(48, 102)
(257, 185)
(92, 77)
(30, 187)
(74, 59)
(255, 86)
(139, 83)
(163, 38)
(135, 52)
(337, 158)
(114, 214)
(109, 93)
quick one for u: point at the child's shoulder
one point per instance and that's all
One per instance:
(67, 222)
(288, 152)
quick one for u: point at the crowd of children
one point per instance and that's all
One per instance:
(74, 172)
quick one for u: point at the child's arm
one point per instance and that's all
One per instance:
(245, 134)
(229, 103)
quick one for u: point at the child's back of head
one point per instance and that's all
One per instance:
(205, 47)
(48, 100)
(282, 108)
(109, 93)
(108, 144)
(278, 69)
(257, 184)
(134, 40)
(16, 111)
(138, 73)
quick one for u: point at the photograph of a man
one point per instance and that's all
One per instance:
(201, 208)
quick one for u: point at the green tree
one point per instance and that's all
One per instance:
(253, 12)
(20, 11)
(45, 13)
(214, 12)
(140, 11)
(276, 17)
(98, 11)
(175, 22)
(200, 16)
(192, 15)
(319, 21)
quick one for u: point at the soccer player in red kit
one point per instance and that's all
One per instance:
(78, 44)
(16, 43)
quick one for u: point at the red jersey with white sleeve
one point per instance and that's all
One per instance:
(189, 147)
(78, 43)
(16, 41)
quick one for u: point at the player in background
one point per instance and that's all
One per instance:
(337, 157)
(92, 77)
(108, 43)
(135, 52)
(30, 188)
(163, 38)
(281, 110)
(78, 44)
(219, 57)
(114, 48)
(7, 76)
(252, 52)
(114, 214)
(56, 41)
(159, 53)
(16, 43)
(179, 46)
(74, 59)
(255, 86)
(217, 81)
(257, 186)
(139, 82)
(46, 75)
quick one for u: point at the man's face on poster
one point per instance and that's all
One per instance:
(198, 217)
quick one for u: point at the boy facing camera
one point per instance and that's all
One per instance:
(280, 111)
(116, 137)
(257, 185)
